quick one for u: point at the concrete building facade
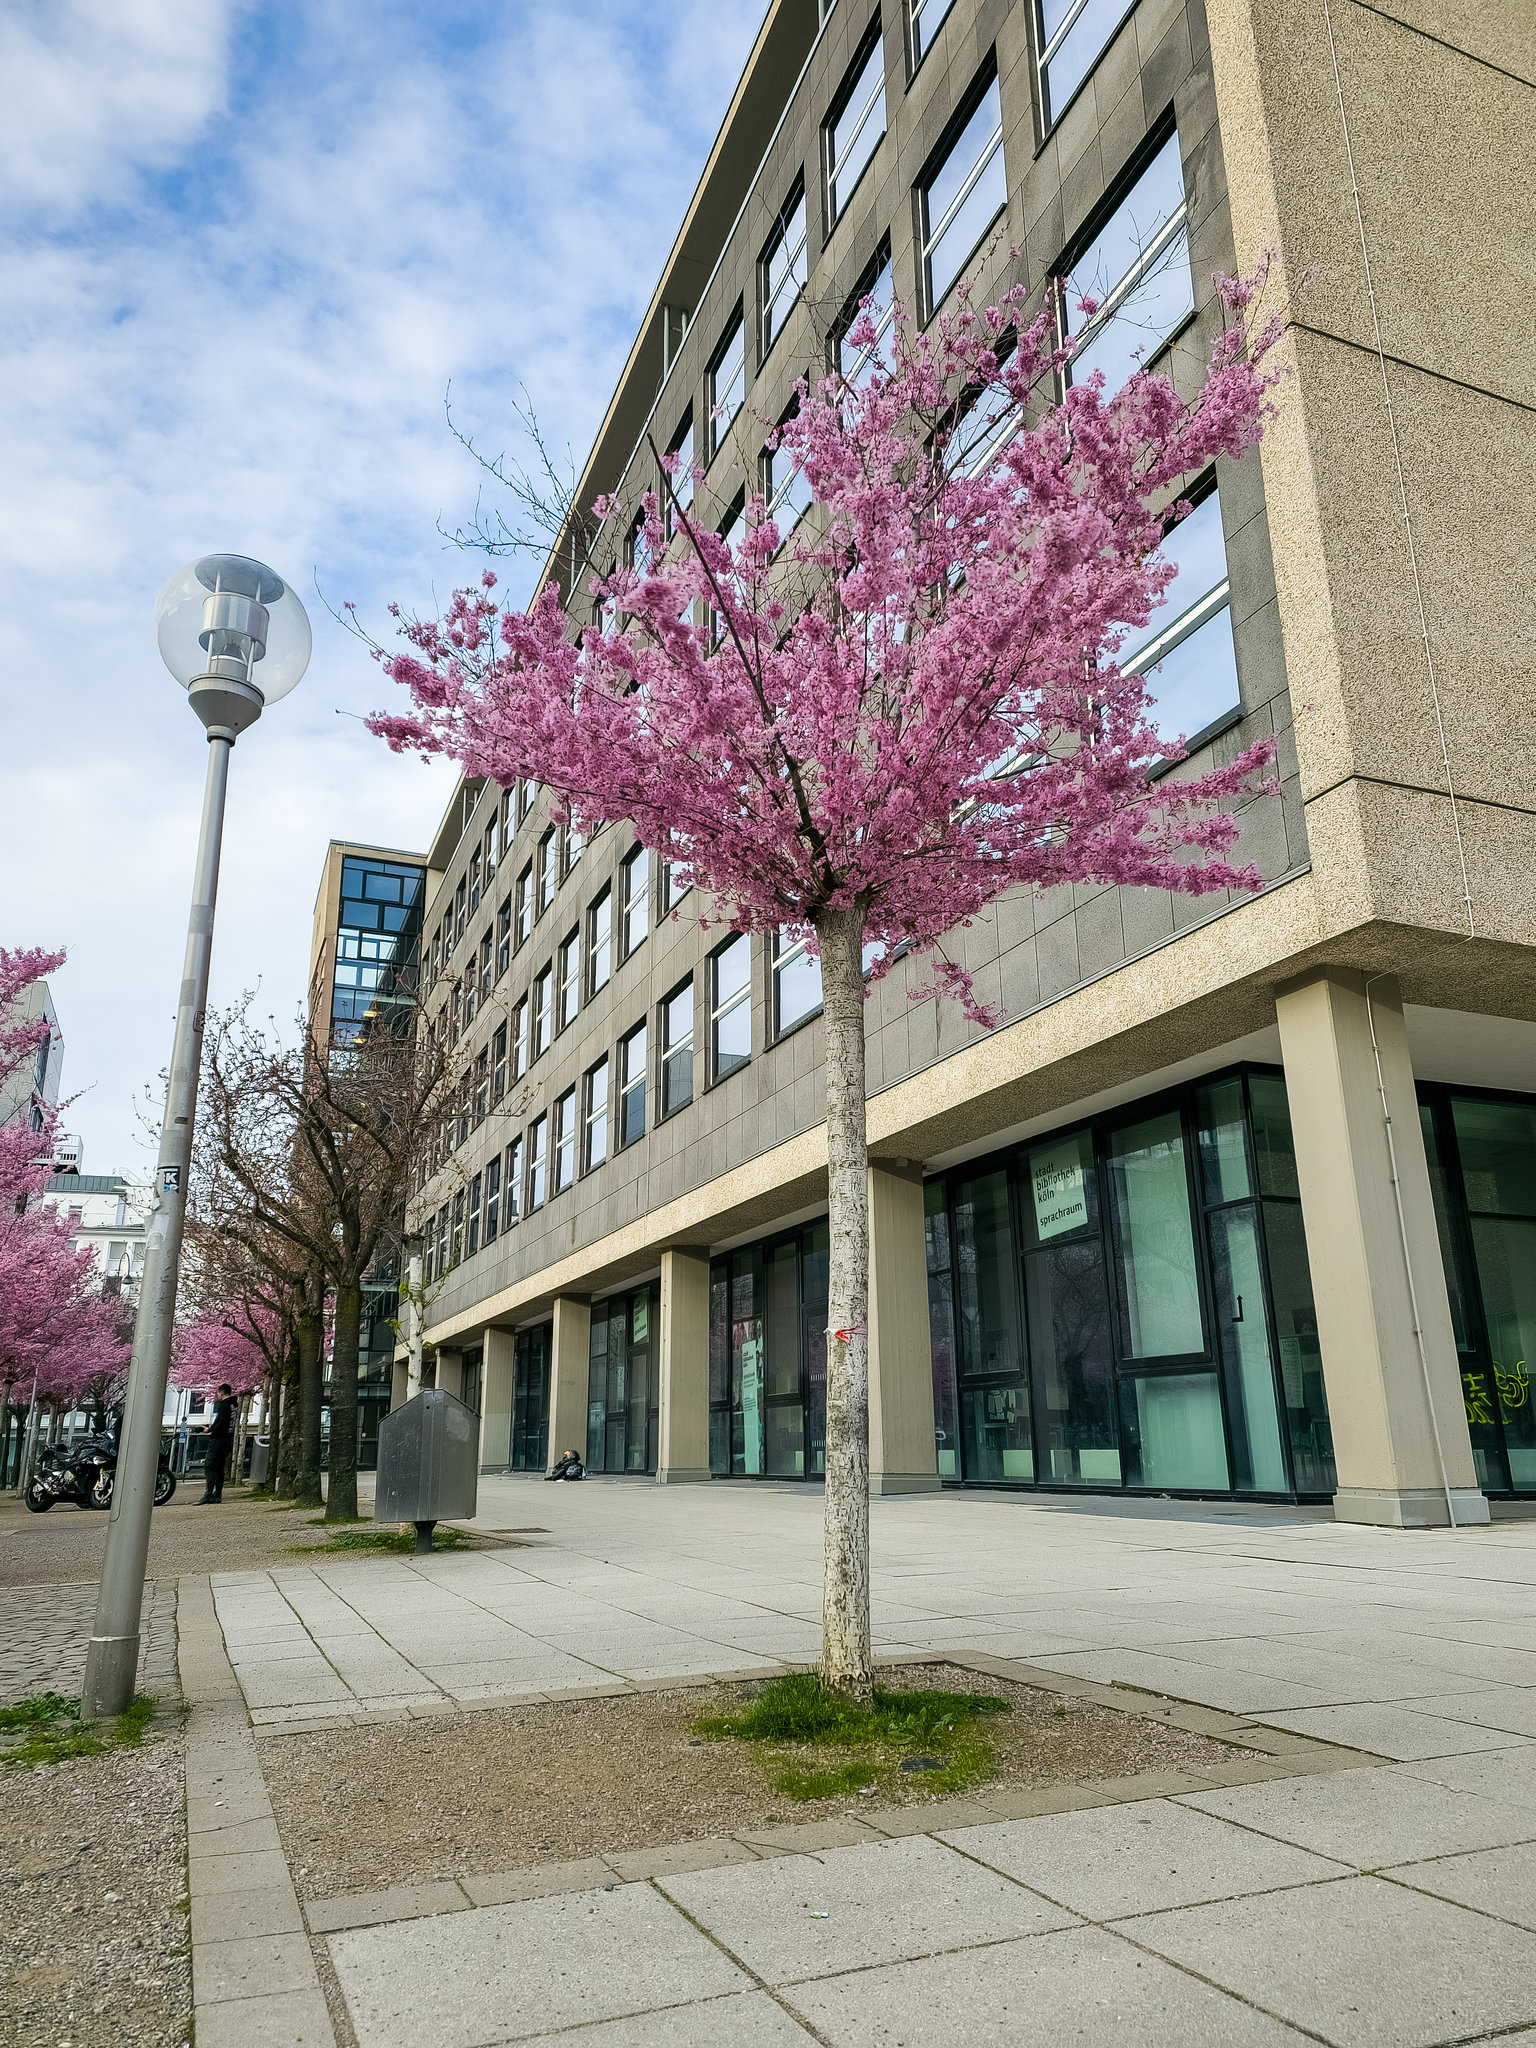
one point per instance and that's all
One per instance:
(1241, 1194)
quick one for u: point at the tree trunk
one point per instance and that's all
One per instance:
(845, 1654)
(269, 1396)
(341, 1493)
(288, 1442)
(237, 1456)
(310, 1401)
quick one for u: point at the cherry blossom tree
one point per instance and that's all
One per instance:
(25, 1149)
(867, 730)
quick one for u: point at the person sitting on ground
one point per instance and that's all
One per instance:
(220, 1435)
(569, 1466)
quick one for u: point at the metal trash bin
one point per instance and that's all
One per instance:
(261, 1452)
(429, 1464)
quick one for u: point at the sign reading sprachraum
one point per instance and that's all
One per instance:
(1061, 1194)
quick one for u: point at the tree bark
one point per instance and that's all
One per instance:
(311, 1397)
(288, 1440)
(341, 1493)
(271, 1389)
(846, 1666)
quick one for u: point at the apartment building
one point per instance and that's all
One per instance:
(1240, 1196)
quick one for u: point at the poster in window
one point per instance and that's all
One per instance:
(1059, 1188)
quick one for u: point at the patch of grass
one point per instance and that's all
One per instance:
(797, 1713)
(397, 1541)
(54, 1731)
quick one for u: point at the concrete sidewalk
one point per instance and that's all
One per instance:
(1384, 1903)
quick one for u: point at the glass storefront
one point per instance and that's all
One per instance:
(1127, 1304)
(1482, 1169)
(623, 1382)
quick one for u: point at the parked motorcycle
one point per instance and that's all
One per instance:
(85, 1473)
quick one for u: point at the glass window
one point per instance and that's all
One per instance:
(595, 1143)
(796, 982)
(727, 379)
(508, 824)
(570, 978)
(635, 883)
(1173, 1432)
(1497, 1144)
(1274, 1150)
(1185, 649)
(677, 1049)
(1135, 275)
(520, 1039)
(456, 1239)
(600, 941)
(1159, 1286)
(486, 952)
(857, 123)
(538, 1162)
(927, 16)
(527, 796)
(1301, 1358)
(856, 365)
(474, 881)
(572, 845)
(994, 1394)
(787, 490)
(731, 1006)
(565, 1140)
(503, 938)
(632, 1064)
(460, 908)
(941, 1331)
(680, 497)
(1457, 1280)
(482, 1084)
(512, 1181)
(1069, 1340)
(783, 265)
(549, 870)
(1073, 36)
(523, 924)
(492, 1199)
(675, 884)
(1242, 1335)
(1224, 1169)
(472, 1240)
(543, 1005)
(963, 196)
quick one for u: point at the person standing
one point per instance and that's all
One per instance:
(220, 1434)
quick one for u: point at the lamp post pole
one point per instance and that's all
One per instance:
(112, 1660)
(216, 620)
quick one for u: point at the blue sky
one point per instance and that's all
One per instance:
(243, 250)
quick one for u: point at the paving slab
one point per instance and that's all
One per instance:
(1116, 1860)
(1080, 1989)
(250, 1966)
(375, 1909)
(500, 1973)
(282, 2019)
(1361, 1963)
(1501, 1882)
(1407, 1734)
(1370, 1818)
(801, 1916)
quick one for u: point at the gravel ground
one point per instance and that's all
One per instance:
(94, 1947)
(363, 1808)
(64, 1547)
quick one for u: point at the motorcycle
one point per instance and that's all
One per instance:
(85, 1474)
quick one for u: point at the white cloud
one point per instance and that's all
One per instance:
(243, 265)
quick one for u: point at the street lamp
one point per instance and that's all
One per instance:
(236, 637)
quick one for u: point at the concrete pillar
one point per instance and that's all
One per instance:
(450, 1373)
(682, 1453)
(496, 1386)
(569, 1360)
(902, 1456)
(1383, 1415)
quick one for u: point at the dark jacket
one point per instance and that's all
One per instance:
(222, 1423)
